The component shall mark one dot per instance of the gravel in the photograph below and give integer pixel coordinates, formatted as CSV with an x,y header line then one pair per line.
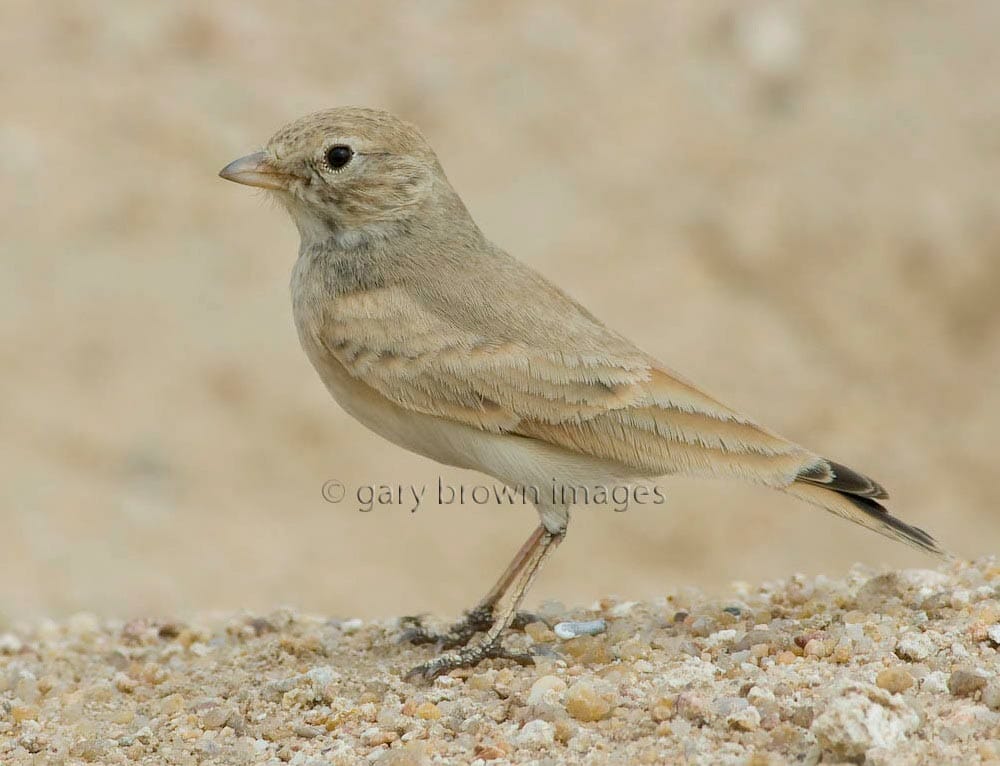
x,y
880,668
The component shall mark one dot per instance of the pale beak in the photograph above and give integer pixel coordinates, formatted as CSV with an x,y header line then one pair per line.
x,y
256,169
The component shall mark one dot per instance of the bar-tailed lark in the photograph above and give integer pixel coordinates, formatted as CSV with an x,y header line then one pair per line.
x,y
439,341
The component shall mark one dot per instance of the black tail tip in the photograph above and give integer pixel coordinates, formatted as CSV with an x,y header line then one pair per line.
x,y
907,533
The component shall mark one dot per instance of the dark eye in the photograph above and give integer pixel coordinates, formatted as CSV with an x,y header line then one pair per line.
x,y
338,156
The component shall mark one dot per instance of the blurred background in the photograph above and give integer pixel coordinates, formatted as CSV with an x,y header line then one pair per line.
x,y
795,204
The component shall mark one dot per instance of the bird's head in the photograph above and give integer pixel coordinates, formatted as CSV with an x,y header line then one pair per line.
x,y
349,174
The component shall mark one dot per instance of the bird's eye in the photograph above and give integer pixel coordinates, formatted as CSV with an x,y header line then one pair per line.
x,y
338,156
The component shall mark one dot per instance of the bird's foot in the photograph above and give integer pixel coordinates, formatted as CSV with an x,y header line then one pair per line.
x,y
467,657
478,620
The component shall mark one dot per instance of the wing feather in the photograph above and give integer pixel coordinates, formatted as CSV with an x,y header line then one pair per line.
x,y
618,405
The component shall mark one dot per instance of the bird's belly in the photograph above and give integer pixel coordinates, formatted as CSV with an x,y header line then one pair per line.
x,y
514,460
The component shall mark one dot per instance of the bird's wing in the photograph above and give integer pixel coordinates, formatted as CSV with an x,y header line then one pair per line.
x,y
561,377
576,385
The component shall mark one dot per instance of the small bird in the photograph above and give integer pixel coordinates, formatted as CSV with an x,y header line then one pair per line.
x,y
439,341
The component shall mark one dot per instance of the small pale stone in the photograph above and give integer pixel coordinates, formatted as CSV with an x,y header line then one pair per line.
x,y
991,694
565,729
152,674
662,709
124,683
375,737
744,719
692,706
215,717
701,626
24,713
428,711
584,703
935,682
633,649
816,648
482,681
842,652
411,754
895,680
588,650
568,630
125,715
860,717
88,749
960,599
721,638
993,633
914,647
489,752
546,690
536,733
965,683
539,632
172,704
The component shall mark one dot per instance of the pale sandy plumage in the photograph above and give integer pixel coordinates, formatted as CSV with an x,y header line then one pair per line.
x,y
438,340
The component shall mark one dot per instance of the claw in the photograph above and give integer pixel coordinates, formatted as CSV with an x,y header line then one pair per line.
x,y
475,621
468,657
459,634
524,619
414,632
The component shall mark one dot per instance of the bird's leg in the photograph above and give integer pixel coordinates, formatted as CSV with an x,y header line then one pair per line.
x,y
481,617
513,584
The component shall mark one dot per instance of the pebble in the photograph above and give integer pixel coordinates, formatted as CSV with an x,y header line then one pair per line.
x,y
539,632
861,717
816,648
535,734
744,719
546,690
991,694
21,713
721,637
992,632
374,737
568,630
428,711
588,650
965,683
894,680
935,682
216,717
585,703
489,753
914,647
693,706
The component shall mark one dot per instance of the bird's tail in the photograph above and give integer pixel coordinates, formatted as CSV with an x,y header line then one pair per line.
x,y
853,496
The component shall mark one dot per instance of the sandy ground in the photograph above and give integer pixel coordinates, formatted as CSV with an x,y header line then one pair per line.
x,y
881,668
